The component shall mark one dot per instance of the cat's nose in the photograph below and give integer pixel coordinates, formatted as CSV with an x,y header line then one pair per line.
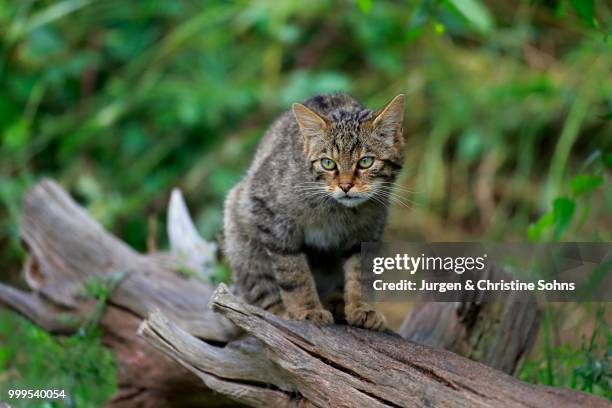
x,y
345,186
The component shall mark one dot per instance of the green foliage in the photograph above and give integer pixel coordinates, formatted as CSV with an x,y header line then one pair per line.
x,y
78,364
584,183
221,274
585,10
563,211
100,288
587,367
122,101
474,12
553,224
30,358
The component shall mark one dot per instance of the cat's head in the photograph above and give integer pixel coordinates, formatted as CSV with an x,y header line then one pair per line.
x,y
355,152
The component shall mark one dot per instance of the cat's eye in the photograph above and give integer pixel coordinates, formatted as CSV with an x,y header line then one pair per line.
x,y
328,164
365,162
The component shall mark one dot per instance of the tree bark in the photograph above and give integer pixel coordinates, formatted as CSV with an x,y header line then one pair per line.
x,y
289,363
499,334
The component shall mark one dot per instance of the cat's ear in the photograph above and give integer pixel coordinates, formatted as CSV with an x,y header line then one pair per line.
x,y
311,124
389,120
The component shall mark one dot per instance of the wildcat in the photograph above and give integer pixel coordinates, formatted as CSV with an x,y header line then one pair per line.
x,y
317,187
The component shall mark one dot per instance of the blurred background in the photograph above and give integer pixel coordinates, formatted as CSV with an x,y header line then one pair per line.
x,y
508,129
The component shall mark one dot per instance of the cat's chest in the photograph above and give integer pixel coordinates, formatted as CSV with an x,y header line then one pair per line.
x,y
324,237
333,232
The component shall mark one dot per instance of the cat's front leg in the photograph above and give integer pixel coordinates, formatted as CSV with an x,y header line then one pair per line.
x,y
359,313
298,290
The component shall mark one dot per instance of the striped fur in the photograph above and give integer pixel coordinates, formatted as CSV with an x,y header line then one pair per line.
x,y
292,229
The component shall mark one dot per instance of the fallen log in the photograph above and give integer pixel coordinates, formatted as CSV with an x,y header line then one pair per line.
x,y
289,363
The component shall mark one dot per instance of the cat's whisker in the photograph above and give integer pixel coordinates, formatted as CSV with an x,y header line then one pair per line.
x,y
319,188
393,198
394,186
306,195
311,189
398,190
398,195
403,204
395,195
396,201
318,194
310,183
379,201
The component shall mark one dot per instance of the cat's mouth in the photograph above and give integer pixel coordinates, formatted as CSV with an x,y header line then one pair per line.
x,y
351,200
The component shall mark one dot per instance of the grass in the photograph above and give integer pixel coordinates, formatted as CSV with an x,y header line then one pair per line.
x,y
30,358
587,365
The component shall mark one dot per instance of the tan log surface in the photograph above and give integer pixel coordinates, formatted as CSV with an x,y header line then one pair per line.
x,y
300,364
498,334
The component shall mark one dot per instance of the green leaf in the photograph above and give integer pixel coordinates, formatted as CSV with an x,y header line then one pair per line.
x,y
46,16
365,6
585,10
439,28
559,219
563,210
583,183
16,135
220,274
101,286
537,229
475,13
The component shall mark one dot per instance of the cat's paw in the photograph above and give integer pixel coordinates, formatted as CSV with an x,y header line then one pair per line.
x,y
319,315
364,315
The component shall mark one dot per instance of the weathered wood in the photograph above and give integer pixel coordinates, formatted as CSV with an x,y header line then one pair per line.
x,y
498,334
238,370
301,364
67,248
146,378
185,242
